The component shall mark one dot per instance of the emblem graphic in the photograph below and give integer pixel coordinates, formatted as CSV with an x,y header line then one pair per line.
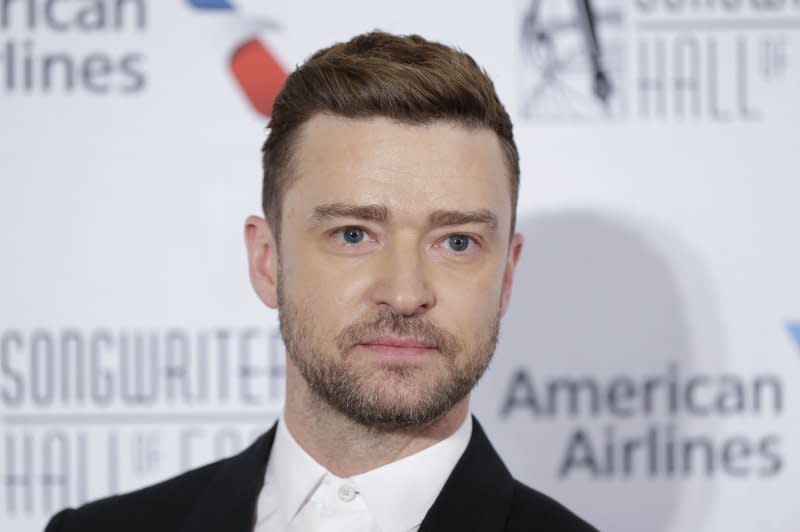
x,y
572,60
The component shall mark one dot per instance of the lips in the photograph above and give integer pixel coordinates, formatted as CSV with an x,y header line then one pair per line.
x,y
397,346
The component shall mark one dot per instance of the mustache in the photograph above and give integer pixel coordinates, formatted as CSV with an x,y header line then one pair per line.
x,y
390,323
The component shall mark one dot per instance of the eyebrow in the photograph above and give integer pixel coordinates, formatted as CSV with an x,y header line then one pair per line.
x,y
481,216
379,214
373,213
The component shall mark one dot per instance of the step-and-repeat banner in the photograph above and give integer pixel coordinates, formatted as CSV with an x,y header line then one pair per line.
x,y
648,369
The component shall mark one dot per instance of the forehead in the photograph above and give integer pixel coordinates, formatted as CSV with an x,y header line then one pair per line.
x,y
408,168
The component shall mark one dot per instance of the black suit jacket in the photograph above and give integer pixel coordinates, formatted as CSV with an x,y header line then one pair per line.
x,y
480,495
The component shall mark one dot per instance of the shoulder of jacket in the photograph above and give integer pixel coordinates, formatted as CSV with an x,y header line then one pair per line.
x,y
158,506
533,510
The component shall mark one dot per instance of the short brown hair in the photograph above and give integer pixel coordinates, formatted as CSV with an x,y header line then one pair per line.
x,y
406,78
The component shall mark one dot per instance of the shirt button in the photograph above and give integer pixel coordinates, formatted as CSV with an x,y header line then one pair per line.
x,y
347,493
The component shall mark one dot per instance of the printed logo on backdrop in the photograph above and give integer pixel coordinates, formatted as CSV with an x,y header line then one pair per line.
x,y
608,440
567,71
257,71
104,59
714,60
93,412
794,332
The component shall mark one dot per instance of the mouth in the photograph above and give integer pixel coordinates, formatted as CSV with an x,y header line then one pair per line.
x,y
394,346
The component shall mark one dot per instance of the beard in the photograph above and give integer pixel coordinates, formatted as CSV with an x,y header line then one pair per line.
x,y
386,393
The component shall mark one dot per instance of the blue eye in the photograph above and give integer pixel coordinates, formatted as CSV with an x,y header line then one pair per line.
x,y
353,235
458,242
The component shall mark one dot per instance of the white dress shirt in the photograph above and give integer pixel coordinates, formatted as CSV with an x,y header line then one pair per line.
x,y
300,495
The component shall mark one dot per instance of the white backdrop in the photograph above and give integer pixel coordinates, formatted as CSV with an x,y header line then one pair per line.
x,y
648,369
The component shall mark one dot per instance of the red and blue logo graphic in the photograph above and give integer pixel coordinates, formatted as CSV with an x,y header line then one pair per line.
x,y
259,74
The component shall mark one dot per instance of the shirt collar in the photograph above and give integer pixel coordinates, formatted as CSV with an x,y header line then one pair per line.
x,y
291,471
398,494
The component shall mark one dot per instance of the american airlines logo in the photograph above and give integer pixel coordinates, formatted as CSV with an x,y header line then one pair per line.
x,y
259,74
794,332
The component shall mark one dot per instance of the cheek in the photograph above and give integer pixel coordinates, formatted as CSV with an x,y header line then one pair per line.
x,y
331,284
329,293
469,302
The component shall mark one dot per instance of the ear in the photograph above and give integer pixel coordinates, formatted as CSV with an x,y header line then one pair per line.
x,y
514,251
262,259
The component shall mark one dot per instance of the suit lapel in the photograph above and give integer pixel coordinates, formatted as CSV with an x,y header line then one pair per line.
x,y
229,501
477,495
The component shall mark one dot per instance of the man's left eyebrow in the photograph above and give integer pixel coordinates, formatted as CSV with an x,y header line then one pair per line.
x,y
481,216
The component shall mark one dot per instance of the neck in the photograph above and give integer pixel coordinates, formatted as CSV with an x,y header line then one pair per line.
x,y
345,447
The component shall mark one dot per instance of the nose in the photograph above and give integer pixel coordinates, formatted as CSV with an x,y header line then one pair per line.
x,y
402,280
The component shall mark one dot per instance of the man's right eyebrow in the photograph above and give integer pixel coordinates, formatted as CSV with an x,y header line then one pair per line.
x,y
371,213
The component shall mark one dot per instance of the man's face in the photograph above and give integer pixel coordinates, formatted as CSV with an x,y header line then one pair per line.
x,y
394,264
